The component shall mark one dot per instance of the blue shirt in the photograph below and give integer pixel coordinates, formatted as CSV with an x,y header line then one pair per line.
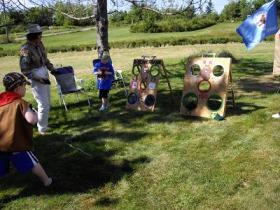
x,y
104,83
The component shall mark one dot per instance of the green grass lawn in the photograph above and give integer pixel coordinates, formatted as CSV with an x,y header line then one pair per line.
x,y
120,34
159,160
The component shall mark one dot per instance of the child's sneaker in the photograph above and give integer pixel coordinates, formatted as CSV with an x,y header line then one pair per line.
x,y
276,116
102,108
48,182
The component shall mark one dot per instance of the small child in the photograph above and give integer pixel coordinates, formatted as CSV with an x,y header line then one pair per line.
x,y
105,76
16,129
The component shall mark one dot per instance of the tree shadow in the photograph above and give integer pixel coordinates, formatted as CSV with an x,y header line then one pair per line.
x,y
252,67
241,108
263,86
74,171
168,109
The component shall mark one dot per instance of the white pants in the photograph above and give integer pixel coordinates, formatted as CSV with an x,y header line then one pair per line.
x,y
41,93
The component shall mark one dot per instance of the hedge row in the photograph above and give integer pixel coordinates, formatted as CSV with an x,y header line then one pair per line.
x,y
178,25
139,43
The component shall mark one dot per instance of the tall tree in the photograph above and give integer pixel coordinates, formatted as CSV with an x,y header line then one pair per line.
x,y
101,16
5,19
209,7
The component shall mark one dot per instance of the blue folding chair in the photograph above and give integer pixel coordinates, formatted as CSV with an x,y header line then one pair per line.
x,y
67,83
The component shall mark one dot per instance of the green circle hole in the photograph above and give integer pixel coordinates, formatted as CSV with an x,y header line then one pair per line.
x,y
154,71
195,69
150,100
214,102
218,71
190,101
136,70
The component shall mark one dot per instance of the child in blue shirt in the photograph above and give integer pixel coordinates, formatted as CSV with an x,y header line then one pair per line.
x,y
105,76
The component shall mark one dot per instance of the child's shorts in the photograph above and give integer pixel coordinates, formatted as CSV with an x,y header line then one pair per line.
x,y
103,93
23,161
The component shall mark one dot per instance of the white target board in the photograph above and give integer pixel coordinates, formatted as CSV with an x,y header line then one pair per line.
x,y
276,63
205,87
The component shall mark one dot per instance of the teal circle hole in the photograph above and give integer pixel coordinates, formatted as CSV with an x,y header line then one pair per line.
x,y
132,98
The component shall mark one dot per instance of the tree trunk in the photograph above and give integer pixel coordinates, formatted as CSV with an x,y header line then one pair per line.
x,y
7,34
102,27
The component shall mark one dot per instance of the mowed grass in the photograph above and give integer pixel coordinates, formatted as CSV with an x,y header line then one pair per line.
x,y
118,34
137,160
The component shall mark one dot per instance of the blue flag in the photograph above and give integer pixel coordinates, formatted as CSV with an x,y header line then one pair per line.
x,y
259,25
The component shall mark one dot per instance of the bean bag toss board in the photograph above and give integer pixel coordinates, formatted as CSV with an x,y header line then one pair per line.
x,y
144,84
206,84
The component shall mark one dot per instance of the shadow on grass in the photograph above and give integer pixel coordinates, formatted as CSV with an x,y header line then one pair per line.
x,y
252,67
74,172
242,108
167,110
253,71
77,172
264,86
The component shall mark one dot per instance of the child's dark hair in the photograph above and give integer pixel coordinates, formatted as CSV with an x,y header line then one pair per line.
x,y
33,36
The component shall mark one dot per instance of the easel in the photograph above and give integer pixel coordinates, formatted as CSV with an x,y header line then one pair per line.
x,y
231,91
144,85
163,73
276,62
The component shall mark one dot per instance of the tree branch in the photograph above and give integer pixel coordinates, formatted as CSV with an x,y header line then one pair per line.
x,y
198,5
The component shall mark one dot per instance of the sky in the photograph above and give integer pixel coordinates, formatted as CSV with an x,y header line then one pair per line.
x,y
219,4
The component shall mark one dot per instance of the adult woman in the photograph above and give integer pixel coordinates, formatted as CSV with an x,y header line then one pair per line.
x,y
34,65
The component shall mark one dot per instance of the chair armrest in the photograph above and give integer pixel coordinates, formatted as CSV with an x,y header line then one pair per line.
x,y
58,88
79,82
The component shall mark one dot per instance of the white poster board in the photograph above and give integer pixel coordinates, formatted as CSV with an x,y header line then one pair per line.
x,y
276,63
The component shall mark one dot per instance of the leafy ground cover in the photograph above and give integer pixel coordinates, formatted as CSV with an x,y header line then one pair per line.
x,y
159,160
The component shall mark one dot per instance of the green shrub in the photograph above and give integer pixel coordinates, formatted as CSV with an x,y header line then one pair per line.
x,y
90,84
227,54
18,29
223,54
4,40
138,43
173,25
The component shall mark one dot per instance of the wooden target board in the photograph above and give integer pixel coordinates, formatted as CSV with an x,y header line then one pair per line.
x,y
276,63
205,87
144,84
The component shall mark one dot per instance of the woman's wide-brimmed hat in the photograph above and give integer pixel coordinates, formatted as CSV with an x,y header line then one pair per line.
x,y
34,29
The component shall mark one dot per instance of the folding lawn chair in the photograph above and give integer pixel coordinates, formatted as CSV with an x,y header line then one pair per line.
x,y
118,78
67,83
